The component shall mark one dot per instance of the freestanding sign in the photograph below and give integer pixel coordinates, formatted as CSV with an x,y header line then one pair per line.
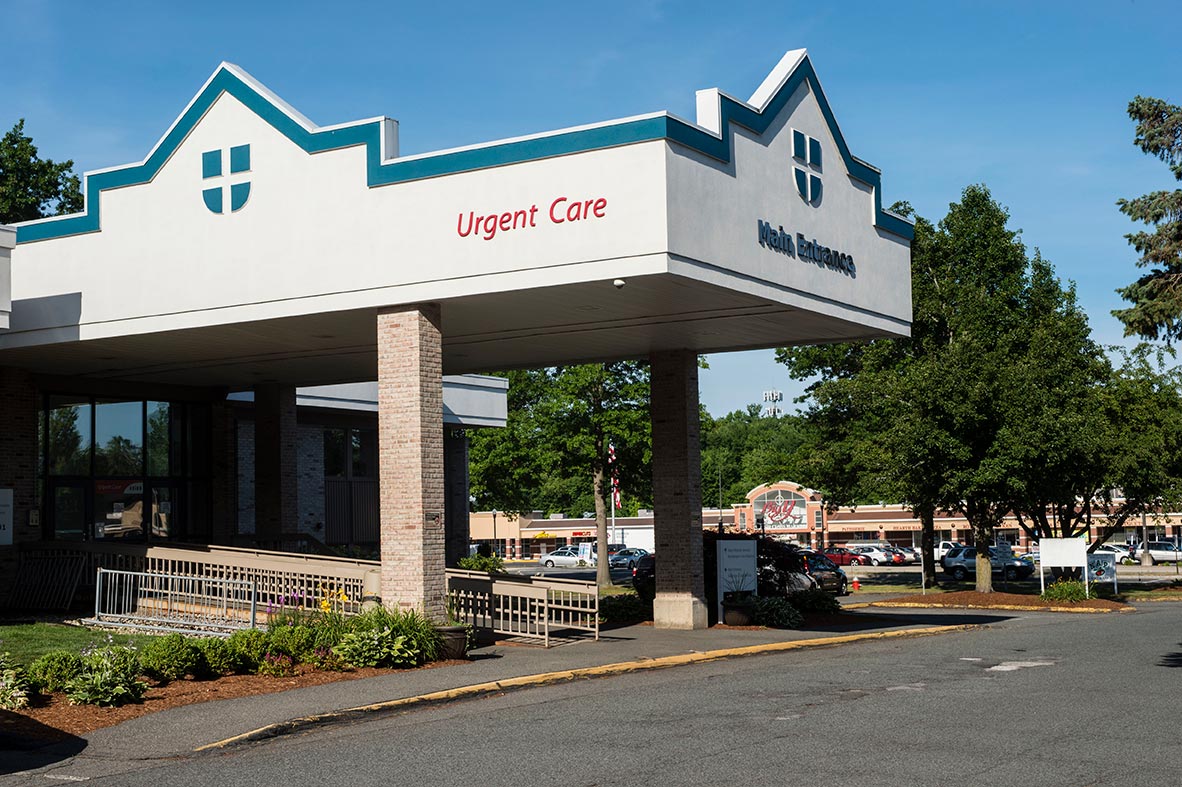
x,y
1102,568
5,517
1064,553
736,568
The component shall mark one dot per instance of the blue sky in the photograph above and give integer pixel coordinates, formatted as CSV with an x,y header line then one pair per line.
x,y
1028,98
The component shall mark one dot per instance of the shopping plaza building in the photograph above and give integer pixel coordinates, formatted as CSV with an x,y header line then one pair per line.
x,y
161,352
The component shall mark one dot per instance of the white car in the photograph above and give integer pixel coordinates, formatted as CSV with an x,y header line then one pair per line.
x,y
1160,552
564,556
878,557
1119,551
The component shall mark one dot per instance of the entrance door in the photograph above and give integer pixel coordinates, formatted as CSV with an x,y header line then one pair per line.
x,y
67,510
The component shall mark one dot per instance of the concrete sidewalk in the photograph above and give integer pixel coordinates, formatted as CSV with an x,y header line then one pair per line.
x,y
180,732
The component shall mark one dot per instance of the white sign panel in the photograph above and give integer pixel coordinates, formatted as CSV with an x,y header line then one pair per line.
x,y
5,517
585,554
736,567
1063,552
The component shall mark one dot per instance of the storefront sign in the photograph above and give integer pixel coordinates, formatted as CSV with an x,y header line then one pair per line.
x,y
778,239
562,210
5,517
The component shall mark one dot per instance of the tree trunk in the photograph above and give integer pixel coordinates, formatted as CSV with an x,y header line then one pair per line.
x,y
927,545
982,536
603,574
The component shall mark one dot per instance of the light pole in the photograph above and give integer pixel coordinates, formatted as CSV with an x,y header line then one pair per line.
x,y
1146,558
495,531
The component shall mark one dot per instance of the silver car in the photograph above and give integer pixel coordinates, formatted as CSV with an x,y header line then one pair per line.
x,y
564,556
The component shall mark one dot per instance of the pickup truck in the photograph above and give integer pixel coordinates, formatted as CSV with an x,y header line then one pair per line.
x,y
942,549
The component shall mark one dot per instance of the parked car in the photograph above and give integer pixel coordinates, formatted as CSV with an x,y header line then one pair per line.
x,y
904,554
1121,552
878,556
845,557
627,557
942,549
825,572
961,562
563,556
1159,552
912,554
644,576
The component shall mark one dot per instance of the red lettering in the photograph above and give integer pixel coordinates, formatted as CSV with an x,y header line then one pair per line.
x,y
520,213
506,221
460,224
553,205
490,227
600,207
533,211
573,213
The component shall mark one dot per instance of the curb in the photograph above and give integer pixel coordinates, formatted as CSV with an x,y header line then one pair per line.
x,y
1003,607
545,678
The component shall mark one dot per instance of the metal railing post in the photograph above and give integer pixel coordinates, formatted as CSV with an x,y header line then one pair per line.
x,y
98,593
254,602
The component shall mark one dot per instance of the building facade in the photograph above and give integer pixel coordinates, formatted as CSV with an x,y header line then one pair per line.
x,y
254,250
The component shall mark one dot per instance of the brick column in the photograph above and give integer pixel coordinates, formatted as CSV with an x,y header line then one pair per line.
x,y
677,491
276,475
410,439
19,410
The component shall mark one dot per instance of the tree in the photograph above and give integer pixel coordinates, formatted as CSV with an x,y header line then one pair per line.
x,y
32,187
553,454
1157,295
935,418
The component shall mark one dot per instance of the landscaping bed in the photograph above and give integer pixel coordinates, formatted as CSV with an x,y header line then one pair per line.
x,y
971,599
54,718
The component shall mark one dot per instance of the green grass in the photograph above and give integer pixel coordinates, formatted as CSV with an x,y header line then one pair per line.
x,y
616,590
27,641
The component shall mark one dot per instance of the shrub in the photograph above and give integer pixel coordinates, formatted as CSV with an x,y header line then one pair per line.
x,y
775,612
14,684
296,641
110,676
248,646
480,562
376,648
218,658
51,671
419,630
277,665
323,658
625,608
171,658
814,602
1065,590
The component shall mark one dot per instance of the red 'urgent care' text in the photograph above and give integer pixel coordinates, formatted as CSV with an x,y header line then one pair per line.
x,y
562,210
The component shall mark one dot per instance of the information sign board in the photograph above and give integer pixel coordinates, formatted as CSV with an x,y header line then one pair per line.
x,y
736,567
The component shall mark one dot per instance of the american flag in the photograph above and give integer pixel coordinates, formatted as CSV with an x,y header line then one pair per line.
x,y
611,461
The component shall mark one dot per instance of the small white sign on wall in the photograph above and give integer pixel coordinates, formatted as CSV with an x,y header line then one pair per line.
x,y
736,567
5,517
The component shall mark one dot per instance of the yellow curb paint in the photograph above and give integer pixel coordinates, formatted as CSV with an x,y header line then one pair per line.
x,y
1005,607
583,672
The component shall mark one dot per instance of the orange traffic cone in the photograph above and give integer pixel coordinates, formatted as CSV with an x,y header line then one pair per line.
x,y
855,585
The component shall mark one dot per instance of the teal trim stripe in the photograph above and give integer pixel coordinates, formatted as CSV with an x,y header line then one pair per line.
x,y
399,171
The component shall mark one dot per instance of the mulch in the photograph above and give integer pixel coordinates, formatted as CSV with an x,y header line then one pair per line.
x,y
52,719
971,599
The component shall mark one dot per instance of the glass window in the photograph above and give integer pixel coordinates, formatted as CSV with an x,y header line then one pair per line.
x,y
68,442
119,510
159,438
334,452
365,453
119,438
69,513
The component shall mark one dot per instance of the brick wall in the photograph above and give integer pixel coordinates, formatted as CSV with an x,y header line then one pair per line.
x,y
276,473
410,440
245,474
310,460
677,491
